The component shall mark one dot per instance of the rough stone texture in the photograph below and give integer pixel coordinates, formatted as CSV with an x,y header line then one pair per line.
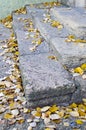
x,y
25,43
74,3
19,21
4,33
71,54
45,81
82,83
60,100
44,78
74,20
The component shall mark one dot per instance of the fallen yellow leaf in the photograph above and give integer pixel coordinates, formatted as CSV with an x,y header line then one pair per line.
x,y
38,114
83,67
79,122
78,70
54,108
8,116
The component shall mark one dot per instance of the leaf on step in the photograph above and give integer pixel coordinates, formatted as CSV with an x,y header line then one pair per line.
x,y
33,48
70,38
51,4
47,128
80,41
39,41
52,57
83,67
56,24
78,70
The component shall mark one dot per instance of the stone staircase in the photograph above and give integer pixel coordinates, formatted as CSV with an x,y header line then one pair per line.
x,y
42,64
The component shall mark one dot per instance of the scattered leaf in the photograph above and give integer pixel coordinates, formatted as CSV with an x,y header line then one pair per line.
x,y
54,117
8,116
79,122
44,109
83,67
54,108
78,70
52,57
15,112
74,113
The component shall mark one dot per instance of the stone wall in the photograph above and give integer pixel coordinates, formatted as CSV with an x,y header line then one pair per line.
x,y
74,3
7,6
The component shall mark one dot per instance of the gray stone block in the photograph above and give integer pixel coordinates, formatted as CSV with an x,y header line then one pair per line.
x,y
74,3
82,83
25,45
74,20
70,54
50,101
19,21
45,28
24,42
44,78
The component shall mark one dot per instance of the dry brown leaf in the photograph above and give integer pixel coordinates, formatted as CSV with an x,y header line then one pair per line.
x,y
52,57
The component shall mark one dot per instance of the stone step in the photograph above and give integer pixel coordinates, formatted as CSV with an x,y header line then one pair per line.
x,y
74,3
82,83
22,34
44,78
45,81
69,54
73,18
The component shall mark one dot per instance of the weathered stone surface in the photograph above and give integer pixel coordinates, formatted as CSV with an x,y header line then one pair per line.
x,y
60,100
82,83
44,78
70,54
24,42
45,81
19,21
4,33
74,3
45,28
74,20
